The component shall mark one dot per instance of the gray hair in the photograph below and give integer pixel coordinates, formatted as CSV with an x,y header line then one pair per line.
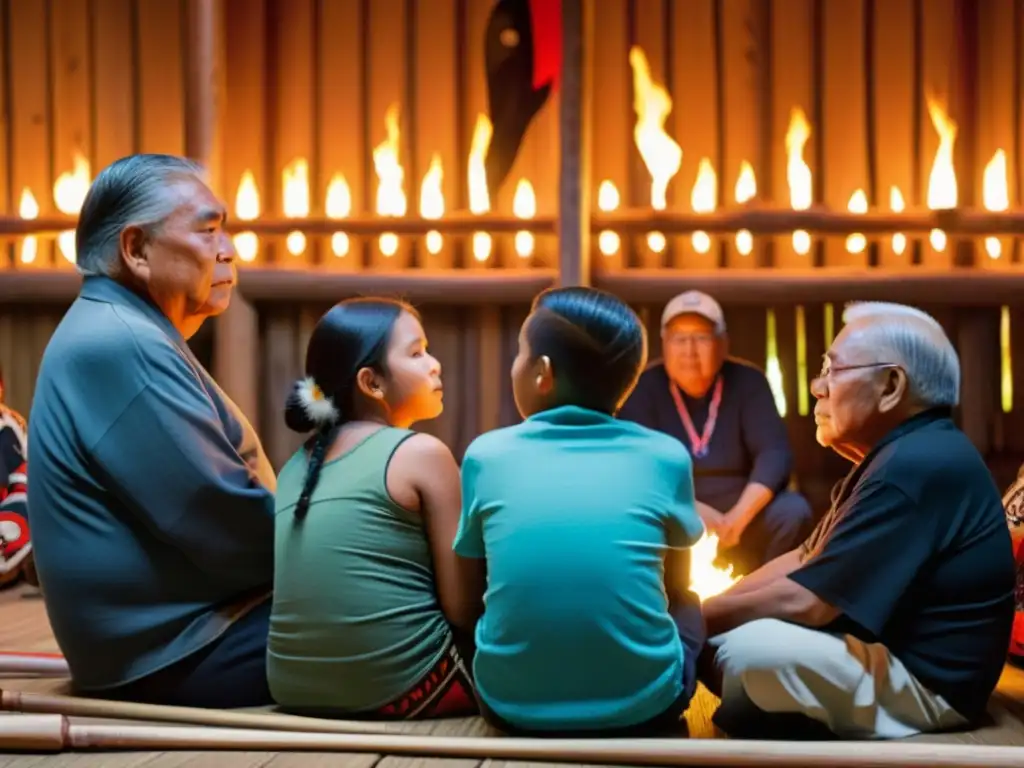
x,y
916,341
132,191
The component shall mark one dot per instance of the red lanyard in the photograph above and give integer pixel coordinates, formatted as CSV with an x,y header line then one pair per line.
x,y
699,444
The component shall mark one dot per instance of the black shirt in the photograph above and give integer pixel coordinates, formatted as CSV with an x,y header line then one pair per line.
x,y
749,445
916,554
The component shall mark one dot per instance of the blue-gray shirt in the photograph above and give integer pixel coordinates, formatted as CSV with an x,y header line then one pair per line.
x,y
152,501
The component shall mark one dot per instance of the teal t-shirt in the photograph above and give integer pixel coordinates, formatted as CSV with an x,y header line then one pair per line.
x,y
573,511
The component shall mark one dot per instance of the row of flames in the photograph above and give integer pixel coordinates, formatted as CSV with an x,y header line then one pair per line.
x,y
659,151
69,191
663,157
390,199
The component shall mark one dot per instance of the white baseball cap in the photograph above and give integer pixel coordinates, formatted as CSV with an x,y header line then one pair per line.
x,y
694,303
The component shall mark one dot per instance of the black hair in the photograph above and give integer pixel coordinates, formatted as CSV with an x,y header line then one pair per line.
x,y
352,335
596,343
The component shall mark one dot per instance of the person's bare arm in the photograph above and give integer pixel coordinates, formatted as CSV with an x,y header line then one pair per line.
x,y
780,598
781,566
435,476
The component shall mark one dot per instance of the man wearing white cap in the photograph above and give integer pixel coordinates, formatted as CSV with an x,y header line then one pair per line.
x,y
722,409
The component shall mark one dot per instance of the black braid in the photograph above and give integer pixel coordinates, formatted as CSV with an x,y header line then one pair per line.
x,y
323,440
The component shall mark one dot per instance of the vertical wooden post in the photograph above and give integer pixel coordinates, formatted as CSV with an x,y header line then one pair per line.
x,y
843,131
236,337
893,128
574,173
611,129
693,58
200,93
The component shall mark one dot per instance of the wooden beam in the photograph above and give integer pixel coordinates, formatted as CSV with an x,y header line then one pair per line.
x,y
574,191
922,285
472,287
964,223
961,287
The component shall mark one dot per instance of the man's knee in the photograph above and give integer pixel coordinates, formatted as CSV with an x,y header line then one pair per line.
x,y
789,515
759,646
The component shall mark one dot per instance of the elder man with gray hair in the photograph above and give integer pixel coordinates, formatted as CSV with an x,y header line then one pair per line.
x,y
893,618
152,500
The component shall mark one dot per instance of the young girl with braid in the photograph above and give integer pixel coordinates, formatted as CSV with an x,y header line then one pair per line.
x,y
368,594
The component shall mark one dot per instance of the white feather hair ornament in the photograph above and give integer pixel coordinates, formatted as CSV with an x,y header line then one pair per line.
x,y
316,404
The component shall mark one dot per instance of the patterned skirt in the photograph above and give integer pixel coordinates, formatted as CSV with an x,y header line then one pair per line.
x,y
1013,503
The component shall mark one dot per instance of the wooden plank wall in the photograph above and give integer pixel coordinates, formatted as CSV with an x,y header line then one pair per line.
x,y
313,80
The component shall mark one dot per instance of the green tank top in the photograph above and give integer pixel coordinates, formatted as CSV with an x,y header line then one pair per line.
x,y
355,621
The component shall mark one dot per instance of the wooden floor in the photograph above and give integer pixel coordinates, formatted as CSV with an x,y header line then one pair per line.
x,y
23,627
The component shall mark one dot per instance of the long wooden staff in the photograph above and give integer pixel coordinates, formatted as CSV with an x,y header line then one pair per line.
x,y
73,706
53,733
13,663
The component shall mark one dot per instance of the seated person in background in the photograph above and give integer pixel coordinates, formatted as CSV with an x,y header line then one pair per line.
x,y
368,595
893,618
574,512
15,546
722,409
152,501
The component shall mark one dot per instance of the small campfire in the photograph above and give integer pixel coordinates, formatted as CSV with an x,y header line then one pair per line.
x,y
706,578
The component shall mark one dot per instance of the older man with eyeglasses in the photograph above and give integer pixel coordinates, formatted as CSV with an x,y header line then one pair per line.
x,y
722,409
893,618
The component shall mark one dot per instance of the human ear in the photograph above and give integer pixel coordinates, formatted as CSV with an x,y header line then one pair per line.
x,y
370,384
134,253
894,388
544,375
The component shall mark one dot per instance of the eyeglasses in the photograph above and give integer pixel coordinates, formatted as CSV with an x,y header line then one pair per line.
x,y
827,369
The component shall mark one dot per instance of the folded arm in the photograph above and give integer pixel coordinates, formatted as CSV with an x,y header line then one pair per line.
x,y
768,595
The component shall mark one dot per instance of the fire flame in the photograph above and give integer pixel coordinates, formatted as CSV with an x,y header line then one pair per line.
x,y
703,199
295,185
706,579
390,177
659,151
338,205
247,208
942,188
479,197
746,190
856,243
608,200
432,201
28,208
896,204
995,196
524,206
798,174
69,191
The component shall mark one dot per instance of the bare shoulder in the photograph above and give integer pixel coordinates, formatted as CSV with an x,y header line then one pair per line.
x,y
426,451
421,465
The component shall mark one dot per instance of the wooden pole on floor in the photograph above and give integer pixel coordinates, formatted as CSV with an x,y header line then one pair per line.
x,y
75,706
54,733
26,664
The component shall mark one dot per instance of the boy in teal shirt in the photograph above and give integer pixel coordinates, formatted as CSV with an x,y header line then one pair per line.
x,y
576,513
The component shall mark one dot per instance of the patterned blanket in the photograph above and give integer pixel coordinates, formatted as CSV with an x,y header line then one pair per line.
x,y
15,544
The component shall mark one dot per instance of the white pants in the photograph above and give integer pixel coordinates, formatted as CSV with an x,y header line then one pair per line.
x,y
858,690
